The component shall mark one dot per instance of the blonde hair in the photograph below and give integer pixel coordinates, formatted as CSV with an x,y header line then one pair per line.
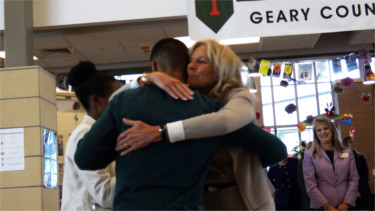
x,y
335,137
227,67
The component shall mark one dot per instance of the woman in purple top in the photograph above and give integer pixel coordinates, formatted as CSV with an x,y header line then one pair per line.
x,y
329,170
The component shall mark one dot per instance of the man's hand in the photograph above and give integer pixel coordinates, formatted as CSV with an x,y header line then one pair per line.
x,y
172,86
137,137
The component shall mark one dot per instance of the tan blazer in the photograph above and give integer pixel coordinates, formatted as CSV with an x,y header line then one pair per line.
x,y
251,189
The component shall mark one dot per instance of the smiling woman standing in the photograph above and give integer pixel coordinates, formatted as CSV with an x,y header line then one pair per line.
x,y
329,170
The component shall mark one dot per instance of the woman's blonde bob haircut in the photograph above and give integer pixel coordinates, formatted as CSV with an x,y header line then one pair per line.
x,y
335,137
227,66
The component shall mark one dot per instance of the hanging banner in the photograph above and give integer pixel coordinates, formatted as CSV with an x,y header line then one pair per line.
x,y
351,62
288,70
305,71
264,65
276,69
336,66
226,19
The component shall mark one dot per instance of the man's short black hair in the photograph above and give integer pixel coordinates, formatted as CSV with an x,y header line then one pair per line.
x,y
170,54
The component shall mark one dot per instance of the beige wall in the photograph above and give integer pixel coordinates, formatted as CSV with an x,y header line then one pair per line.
x,y
66,122
363,121
28,100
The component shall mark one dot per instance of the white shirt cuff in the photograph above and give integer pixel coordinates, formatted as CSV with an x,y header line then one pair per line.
x,y
134,84
176,131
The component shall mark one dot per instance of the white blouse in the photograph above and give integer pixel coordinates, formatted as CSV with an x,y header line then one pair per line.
x,y
85,190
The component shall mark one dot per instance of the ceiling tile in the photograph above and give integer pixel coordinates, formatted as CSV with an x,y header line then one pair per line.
x,y
361,37
103,47
288,42
62,62
48,42
133,40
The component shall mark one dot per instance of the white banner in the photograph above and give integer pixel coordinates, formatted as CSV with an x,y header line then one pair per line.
x,y
278,17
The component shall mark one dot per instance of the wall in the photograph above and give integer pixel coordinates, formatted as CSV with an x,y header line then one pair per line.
x,y
65,125
28,100
52,13
363,120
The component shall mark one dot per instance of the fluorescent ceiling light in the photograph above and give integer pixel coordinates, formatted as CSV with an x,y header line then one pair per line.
x,y
188,42
2,55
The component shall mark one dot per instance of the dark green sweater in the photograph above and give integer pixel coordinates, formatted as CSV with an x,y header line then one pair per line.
x,y
160,176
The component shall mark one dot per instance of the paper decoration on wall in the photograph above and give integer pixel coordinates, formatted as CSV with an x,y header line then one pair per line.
x,y
330,110
284,83
264,66
295,81
62,82
305,72
2,62
366,97
351,63
336,65
257,115
337,88
351,131
346,82
322,71
288,70
268,129
290,108
345,119
368,72
251,64
269,71
276,69
365,56
76,105
60,146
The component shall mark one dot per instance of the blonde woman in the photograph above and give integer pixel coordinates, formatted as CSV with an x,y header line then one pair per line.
x,y
329,169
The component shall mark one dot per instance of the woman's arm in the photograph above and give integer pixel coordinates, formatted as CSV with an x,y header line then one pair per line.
x,y
172,86
238,112
100,184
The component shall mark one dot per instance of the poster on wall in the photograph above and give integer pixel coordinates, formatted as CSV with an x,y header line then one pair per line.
x,y
276,69
264,65
12,149
336,66
305,72
351,62
288,70
60,139
50,158
322,71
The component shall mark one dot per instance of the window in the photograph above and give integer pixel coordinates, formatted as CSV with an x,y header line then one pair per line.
x,y
127,78
310,91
